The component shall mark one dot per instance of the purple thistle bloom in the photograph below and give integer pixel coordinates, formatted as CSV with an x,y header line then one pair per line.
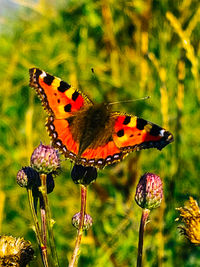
x,y
149,191
45,159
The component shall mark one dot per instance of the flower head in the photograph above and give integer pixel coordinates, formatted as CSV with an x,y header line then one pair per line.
x,y
190,216
87,221
149,191
45,159
30,178
27,176
15,251
83,175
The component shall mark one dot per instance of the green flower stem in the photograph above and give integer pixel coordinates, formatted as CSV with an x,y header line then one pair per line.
x,y
37,228
48,220
145,215
80,229
43,223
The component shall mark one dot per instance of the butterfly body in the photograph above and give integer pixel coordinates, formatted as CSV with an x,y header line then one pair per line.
x,y
91,127
91,134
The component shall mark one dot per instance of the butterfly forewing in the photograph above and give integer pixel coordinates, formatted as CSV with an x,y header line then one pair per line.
x,y
58,97
133,133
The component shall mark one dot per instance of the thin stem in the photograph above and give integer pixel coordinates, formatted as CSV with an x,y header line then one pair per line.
x,y
35,219
145,214
43,217
43,223
81,224
37,228
48,221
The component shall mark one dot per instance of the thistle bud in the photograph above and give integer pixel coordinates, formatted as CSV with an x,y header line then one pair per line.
x,y
87,221
45,159
149,191
15,251
26,177
83,175
29,178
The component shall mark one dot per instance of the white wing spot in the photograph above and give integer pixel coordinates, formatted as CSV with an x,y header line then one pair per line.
x,y
58,143
55,136
43,74
162,132
51,126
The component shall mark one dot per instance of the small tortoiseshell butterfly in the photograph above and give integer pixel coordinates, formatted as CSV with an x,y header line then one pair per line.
x,y
91,134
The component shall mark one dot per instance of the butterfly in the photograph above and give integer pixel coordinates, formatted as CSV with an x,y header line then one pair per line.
x,y
91,134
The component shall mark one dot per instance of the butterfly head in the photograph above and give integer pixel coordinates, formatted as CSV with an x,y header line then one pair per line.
x,y
105,106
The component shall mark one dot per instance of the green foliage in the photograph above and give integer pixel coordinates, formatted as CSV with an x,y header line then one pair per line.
x,y
136,48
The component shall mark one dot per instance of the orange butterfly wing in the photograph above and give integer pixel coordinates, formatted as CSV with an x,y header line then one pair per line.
x,y
58,97
62,138
133,133
61,101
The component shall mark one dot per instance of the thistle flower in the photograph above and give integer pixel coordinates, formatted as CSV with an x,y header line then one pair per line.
x,y
83,175
15,251
190,216
87,221
149,194
149,191
45,159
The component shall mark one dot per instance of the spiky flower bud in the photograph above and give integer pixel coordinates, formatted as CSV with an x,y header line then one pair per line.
x,y
45,159
15,251
149,191
190,216
26,177
29,178
83,175
87,221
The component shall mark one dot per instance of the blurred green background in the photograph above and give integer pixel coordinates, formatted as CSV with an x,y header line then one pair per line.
x,y
136,48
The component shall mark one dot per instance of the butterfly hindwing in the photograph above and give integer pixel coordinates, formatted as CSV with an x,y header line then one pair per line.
x,y
62,137
133,133
102,155
58,97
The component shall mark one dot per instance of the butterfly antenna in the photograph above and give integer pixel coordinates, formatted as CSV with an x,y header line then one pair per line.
x,y
131,100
